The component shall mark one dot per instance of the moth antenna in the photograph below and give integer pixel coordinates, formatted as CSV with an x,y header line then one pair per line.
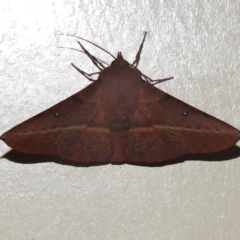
x,y
138,55
75,49
70,35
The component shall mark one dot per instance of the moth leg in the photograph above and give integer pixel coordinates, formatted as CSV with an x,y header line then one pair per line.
x,y
153,82
94,60
138,55
87,75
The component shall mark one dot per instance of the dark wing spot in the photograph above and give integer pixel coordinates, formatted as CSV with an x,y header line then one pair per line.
x,y
184,113
57,114
3,137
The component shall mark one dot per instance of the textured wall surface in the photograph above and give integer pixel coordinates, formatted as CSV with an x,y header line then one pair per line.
x,y
197,42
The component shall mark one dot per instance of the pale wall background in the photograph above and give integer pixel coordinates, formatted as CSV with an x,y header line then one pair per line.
x,y
197,42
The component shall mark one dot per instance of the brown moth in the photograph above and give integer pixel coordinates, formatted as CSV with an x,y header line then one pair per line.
x,y
121,118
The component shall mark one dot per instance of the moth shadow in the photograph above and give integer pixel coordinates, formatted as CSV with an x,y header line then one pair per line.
x,y
24,158
225,155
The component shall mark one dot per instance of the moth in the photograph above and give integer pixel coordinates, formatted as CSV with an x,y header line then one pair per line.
x,y
121,118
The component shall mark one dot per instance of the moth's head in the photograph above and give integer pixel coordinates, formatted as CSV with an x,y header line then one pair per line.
x,y
120,61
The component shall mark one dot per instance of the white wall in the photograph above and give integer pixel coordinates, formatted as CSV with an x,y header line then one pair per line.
x,y
197,42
